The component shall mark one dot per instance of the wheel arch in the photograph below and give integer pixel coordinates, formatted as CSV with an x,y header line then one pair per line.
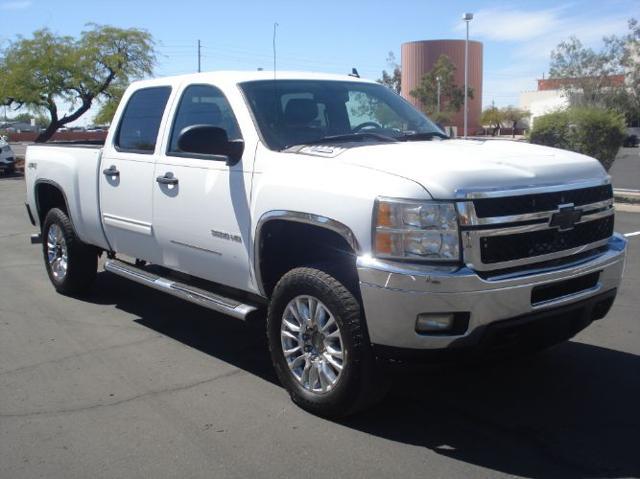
x,y
49,194
296,222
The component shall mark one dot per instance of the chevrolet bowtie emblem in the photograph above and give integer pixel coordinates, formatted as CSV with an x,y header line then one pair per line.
x,y
565,218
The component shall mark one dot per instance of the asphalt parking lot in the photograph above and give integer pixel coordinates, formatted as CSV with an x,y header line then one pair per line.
x,y
132,383
625,171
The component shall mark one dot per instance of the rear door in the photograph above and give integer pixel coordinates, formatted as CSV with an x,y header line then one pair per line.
x,y
126,176
202,220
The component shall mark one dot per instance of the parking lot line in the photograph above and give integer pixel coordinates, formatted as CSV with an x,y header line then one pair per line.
x,y
635,233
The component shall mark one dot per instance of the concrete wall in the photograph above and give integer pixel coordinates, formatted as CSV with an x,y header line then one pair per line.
x,y
59,136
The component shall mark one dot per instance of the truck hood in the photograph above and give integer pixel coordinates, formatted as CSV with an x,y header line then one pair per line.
x,y
447,168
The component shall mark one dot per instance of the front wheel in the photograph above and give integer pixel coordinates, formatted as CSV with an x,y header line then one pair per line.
x,y
71,264
318,343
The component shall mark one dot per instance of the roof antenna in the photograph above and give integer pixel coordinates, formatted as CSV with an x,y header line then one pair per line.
x,y
275,88
354,73
275,26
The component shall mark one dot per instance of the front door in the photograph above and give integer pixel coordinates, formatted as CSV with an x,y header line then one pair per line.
x,y
201,205
126,176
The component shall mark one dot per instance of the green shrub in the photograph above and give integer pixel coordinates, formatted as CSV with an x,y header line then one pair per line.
x,y
590,131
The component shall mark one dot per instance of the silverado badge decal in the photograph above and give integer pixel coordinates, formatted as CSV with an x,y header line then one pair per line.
x,y
565,218
226,236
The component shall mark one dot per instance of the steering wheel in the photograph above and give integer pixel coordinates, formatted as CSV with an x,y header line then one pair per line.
x,y
366,124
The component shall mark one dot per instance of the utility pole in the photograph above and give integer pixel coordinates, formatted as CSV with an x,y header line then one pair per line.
x,y
199,57
467,17
438,80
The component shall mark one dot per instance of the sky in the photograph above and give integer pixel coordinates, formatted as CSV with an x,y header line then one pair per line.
x,y
334,36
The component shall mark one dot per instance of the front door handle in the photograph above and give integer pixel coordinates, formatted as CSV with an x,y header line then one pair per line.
x,y
111,171
167,179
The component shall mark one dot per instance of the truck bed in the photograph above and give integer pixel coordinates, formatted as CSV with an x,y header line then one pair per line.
x,y
74,168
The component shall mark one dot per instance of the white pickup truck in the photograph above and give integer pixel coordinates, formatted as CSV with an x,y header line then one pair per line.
x,y
329,202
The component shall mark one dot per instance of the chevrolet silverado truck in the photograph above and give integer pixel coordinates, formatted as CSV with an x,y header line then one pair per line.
x,y
349,219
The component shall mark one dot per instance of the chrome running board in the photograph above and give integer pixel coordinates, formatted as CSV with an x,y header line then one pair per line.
x,y
189,293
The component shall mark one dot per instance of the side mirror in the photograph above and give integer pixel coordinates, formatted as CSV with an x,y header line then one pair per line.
x,y
212,141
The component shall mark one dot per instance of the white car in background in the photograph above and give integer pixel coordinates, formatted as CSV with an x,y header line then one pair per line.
x,y
7,158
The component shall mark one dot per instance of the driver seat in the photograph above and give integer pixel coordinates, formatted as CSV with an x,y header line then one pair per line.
x,y
299,113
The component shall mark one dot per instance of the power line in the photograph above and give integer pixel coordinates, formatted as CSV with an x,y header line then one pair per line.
x,y
221,49
251,58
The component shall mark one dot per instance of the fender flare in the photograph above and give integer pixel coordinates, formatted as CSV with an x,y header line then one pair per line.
x,y
41,181
297,217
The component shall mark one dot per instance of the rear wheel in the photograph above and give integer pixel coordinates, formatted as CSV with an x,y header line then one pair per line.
x,y
319,346
71,264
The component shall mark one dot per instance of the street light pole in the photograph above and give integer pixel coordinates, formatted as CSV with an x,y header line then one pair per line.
x,y
467,17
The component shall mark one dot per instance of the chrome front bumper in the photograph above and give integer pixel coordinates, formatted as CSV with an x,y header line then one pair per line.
x,y
394,294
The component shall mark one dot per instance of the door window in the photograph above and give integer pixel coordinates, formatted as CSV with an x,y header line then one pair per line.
x,y
203,105
138,129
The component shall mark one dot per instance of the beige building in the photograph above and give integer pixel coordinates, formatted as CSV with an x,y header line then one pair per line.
x,y
551,96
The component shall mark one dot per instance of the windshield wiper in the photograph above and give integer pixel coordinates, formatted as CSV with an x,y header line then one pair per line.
x,y
417,136
346,138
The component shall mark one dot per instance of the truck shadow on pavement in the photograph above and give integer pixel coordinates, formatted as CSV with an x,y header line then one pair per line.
x,y
572,411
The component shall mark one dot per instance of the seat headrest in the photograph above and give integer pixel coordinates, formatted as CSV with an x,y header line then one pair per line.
x,y
300,111
205,113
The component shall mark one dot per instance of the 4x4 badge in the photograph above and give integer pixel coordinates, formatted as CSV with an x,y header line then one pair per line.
x,y
565,218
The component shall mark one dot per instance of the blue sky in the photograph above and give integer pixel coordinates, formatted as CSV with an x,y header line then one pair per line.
x,y
333,36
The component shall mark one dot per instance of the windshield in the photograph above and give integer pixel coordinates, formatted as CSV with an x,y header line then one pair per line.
x,y
297,112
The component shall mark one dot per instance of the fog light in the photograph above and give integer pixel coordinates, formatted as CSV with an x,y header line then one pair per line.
x,y
434,322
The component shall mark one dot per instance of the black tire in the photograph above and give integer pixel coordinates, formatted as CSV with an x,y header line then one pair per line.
x,y
359,383
82,259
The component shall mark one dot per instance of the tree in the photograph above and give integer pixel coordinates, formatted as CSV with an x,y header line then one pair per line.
x,y
392,80
627,101
42,120
22,118
47,70
587,74
492,117
513,115
451,98
583,70
110,104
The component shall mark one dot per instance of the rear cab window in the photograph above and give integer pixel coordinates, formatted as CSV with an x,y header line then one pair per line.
x,y
140,122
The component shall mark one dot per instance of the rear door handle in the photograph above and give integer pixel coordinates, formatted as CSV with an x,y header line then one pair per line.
x,y
111,171
167,179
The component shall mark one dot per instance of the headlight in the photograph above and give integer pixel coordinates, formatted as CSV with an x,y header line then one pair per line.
x,y
416,229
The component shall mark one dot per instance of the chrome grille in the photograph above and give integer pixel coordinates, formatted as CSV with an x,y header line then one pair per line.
x,y
497,249
521,235
517,205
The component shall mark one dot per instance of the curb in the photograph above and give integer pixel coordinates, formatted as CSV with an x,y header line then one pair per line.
x,y
626,196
